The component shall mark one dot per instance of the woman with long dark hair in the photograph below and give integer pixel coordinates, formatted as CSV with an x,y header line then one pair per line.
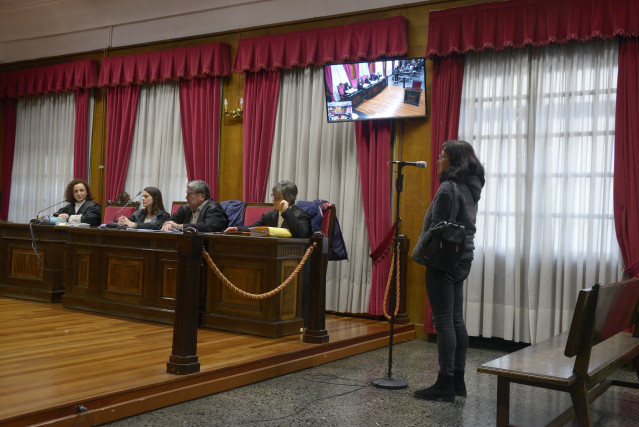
x,y
462,179
152,215
81,208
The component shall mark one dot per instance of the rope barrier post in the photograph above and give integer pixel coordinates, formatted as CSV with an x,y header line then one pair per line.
x,y
183,359
316,332
402,316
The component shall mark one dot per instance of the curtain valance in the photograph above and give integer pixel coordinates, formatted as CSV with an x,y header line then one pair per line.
x,y
365,40
52,78
519,23
174,64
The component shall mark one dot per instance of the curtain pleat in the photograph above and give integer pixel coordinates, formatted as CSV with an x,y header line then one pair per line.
x,y
157,153
626,181
122,102
448,76
200,117
545,226
53,78
81,138
521,23
9,116
172,64
43,156
365,40
321,158
261,92
373,154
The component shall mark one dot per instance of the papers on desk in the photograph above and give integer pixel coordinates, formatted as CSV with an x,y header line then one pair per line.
x,y
72,224
270,231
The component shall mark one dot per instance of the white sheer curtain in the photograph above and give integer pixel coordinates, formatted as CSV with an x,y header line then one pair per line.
x,y
321,158
157,154
363,69
43,156
542,122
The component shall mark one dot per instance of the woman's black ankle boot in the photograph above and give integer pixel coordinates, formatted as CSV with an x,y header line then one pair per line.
x,y
460,385
443,390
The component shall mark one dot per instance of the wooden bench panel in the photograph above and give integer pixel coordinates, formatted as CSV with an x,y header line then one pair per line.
x,y
544,361
578,361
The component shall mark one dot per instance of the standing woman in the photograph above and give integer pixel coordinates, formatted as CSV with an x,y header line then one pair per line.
x,y
462,177
152,216
80,208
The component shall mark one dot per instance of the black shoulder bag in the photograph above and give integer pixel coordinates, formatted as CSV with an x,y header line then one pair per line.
x,y
445,246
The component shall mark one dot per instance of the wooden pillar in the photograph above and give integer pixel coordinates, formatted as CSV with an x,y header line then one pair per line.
x,y
316,332
402,316
184,359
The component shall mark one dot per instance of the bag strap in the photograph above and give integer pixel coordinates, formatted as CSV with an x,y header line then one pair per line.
x,y
455,210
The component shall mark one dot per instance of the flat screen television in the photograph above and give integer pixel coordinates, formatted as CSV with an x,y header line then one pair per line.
x,y
384,89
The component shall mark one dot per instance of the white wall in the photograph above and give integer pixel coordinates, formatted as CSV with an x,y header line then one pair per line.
x,y
31,29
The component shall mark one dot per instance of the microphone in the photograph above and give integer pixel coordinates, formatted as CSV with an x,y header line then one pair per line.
x,y
39,219
420,164
114,224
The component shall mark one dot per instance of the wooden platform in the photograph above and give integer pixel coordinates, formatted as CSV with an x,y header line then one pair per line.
x,y
55,362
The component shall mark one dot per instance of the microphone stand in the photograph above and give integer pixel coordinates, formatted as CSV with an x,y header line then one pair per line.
x,y
389,382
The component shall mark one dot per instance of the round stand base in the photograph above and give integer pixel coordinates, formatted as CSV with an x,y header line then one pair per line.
x,y
389,383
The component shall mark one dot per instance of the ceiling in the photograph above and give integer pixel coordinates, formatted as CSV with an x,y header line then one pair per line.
x,y
31,29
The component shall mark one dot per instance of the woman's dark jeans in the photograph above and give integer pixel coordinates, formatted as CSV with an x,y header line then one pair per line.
x,y
446,296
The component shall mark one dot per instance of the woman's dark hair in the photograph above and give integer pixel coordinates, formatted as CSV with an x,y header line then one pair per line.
x,y
463,162
156,195
68,193
287,190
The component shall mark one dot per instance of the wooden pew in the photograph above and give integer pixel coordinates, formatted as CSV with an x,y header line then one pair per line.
x,y
579,361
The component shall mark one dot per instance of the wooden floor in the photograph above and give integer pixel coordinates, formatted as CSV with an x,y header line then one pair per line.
x,y
56,362
390,103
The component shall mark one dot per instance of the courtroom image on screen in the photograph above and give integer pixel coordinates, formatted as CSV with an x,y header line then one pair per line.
x,y
340,111
385,89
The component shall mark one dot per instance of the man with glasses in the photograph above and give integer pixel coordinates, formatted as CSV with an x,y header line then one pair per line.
x,y
285,215
200,212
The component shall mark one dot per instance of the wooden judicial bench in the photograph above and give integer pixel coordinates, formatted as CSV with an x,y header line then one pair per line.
x,y
581,360
134,274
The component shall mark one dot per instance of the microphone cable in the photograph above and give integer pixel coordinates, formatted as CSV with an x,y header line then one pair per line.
x,y
34,246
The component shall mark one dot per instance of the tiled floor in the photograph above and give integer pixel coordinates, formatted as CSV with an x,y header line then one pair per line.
x,y
340,394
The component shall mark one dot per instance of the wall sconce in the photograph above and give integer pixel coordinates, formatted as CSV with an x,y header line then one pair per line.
x,y
236,114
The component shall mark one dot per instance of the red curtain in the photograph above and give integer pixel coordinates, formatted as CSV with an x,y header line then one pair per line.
x,y
328,75
364,40
355,42
122,106
200,117
79,76
261,91
520,23
53,78
9,115
626,179
373,155
197,68
173,64
349,73
81,138
448,76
